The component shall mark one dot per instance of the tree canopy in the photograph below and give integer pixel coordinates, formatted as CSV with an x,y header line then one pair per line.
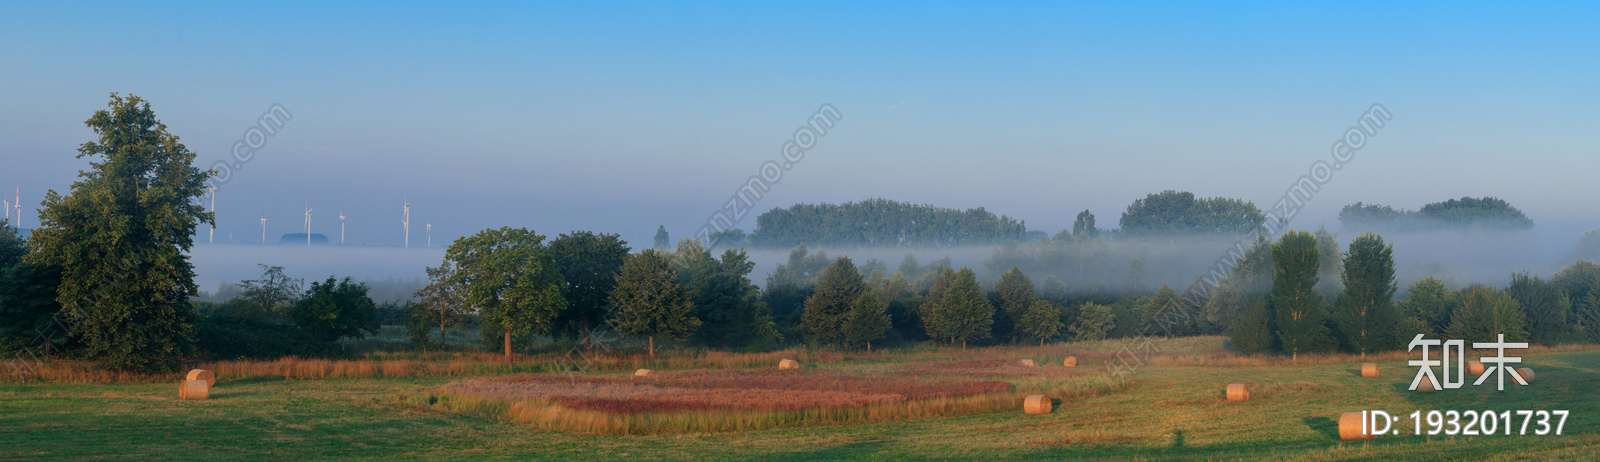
x,y
1171,213
121,240
882,223
512,280
1464,213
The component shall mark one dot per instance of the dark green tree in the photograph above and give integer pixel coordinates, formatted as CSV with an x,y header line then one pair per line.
x,y
727,304
1581,282
1430,301
828,309
1295,301
962,313
649,301
589,263
1041,321
28,306
868,321
1252,332
1015,295
726,239
509,276
419,320
1485,313
1094,322
1365,312
12,246
334,309
1251,277
1544,306
121,240
1167,313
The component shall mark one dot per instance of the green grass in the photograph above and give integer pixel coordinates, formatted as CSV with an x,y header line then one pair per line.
x,y
1174,413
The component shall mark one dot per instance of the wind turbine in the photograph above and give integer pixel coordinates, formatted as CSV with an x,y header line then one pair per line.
x,y
8,210
405,220
212,238
308,226
18,205
341,227
430,235
263,230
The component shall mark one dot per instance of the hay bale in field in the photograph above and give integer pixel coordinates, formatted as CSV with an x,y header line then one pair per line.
x,y
1426,386
1527,375
1071,361
202,374
1350,427
643,373
1238,392
1036,404
193,389
788,364
1474,368
1027,362
1369,369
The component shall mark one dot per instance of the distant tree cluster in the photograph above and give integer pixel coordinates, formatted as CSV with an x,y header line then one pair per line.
x,y
1486,213
882,223
1170,213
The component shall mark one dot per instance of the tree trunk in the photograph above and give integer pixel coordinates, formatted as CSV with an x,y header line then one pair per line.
x,y
963,345
869,347
1041,342
586,334
508,346
652,346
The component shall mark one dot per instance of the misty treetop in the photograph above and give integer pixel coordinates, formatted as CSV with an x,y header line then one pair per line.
x,y
1487,213
1180,213
882,223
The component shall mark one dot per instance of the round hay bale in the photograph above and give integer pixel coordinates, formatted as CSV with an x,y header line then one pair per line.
x,y
1036,404
788,364
1238,392
1027,362
202,374
643,373
1426,386
193,389
1071,361
1350,427
1474,368
1369,369
1527,375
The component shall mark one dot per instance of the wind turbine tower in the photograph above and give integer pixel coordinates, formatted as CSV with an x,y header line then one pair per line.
x,y
308,226
18,205
341,227
212,238
263,230
405,221
430,235
8,210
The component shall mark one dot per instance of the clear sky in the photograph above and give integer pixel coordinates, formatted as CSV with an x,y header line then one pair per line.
x,y
619,117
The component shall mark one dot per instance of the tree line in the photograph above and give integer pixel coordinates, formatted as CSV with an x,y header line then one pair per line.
x,y
1486,213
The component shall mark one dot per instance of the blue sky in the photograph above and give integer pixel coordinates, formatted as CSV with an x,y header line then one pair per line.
x,y
619,117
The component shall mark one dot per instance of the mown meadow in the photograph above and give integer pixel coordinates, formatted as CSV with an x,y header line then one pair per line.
x,y
1171,408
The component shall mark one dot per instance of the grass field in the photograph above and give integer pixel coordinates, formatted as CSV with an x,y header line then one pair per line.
x,y
1173,409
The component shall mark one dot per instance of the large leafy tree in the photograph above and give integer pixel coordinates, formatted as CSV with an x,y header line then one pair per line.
x,y
12,245
589,263
829,307
727,304
1016,295
1251,332
268,299
335,308
962,313
121,240
509,276
1295,301
882,222
649,301
1167,312
1365,311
